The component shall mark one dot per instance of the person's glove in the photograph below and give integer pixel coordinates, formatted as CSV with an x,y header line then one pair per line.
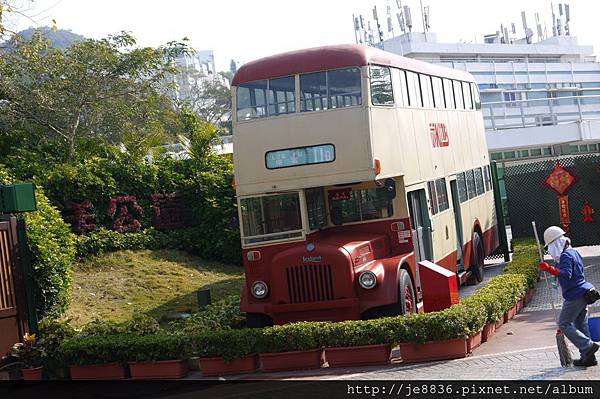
x,y
550,269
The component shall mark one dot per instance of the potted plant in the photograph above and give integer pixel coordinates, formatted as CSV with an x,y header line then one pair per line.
x,y
95,357
294,346
159,356
31,353
223,352
353,343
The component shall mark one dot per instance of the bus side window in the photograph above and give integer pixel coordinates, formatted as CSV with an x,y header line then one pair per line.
x,y
449,94
438,92
252,100
458,96
426,91
467,95
381,86
476,98
313,92
414,92
470,177
479,187
400,88
462,187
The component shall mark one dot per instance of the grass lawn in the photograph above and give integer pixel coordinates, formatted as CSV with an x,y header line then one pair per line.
x,y
159,283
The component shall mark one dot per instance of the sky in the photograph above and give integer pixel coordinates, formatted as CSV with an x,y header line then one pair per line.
x,y
246,30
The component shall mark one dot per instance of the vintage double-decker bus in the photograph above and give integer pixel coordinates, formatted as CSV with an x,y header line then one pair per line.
x,y
351,166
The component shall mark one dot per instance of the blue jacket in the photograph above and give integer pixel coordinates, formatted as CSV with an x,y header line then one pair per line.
x,y
571,278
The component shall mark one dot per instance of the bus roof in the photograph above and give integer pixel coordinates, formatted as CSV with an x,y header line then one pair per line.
x,y
338,56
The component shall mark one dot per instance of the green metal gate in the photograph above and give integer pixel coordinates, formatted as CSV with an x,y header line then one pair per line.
x,y
528,198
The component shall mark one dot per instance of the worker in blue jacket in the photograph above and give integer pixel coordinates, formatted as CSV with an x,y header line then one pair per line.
x,y
576,291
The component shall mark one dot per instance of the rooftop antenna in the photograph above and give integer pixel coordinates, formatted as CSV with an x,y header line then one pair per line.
x,y
364,30
553,20
423,19
408,18
567,20
378,25
356,28
389,20
513,28
559,20
528,32
371,41
539,27
427,17
401,22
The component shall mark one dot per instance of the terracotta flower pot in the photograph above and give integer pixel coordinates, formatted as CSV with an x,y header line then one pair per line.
x,y
297,360
164,369
510,313
474,341
499,323
111,371
488,331
33,374
529,295
358,355
433,350
214,366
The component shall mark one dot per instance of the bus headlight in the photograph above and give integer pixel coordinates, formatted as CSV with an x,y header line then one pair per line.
x,y
260,289
367,280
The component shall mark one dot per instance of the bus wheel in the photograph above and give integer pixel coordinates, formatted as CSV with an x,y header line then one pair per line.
x,y
478,258
258,320
408,303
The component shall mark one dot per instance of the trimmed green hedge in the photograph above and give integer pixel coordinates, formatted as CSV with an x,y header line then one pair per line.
x,y
52,248
488,304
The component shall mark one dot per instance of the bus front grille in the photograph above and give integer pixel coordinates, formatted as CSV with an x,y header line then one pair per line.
x,y
310,283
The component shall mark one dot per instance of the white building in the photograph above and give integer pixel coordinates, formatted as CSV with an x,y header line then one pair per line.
x,y
193,69
538,99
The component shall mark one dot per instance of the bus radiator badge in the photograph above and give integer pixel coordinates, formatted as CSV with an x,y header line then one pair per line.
x,y
312,259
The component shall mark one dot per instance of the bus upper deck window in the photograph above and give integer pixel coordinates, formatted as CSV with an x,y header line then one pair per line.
x,y
381,86
344,89
282,94
252,100
313,92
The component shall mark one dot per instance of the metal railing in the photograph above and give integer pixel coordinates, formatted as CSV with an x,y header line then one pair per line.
x,y
540,112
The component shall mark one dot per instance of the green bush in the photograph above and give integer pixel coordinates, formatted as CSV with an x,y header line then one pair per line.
x,y
157,347
228,344
52,334
223,314
96,349
298,336
138,325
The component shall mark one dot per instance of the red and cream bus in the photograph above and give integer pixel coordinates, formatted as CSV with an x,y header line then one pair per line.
x,y
352,165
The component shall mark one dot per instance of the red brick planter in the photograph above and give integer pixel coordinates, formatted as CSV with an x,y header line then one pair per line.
x,y
368,355
510,313
529,295
499,323
165,369
213,366
298,360
488,331
474,341
433,350
111,371
34,374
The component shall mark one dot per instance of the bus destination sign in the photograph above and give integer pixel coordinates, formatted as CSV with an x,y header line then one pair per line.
x,y
316,154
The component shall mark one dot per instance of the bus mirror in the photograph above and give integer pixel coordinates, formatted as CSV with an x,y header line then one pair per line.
x,y
390,188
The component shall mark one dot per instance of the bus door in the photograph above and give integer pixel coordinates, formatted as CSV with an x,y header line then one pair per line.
x,y
421,225
458,226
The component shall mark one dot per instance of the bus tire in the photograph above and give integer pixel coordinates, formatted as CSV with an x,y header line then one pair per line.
x,y
406,294
478,258
258,320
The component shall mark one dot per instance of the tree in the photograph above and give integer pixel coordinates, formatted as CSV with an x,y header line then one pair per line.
x,y
96,89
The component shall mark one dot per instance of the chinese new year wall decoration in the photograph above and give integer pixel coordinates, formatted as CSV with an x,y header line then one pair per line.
x,y
561,180
126,213
588,213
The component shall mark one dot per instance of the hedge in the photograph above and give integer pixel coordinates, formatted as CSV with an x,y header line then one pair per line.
x,y
52,248
460,321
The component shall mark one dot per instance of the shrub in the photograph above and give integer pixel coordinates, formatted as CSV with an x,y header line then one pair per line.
x,y
298,336
96,349
157,347
223,314
53,333
228,344
138,325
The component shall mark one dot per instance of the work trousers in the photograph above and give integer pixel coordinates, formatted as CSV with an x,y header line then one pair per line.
x,y
573,322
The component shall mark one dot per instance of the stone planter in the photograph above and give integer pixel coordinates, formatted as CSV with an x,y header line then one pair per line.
x,y
488,331
111,371
297,360
474,341
214,366
158,370
368,355
433,350
33,374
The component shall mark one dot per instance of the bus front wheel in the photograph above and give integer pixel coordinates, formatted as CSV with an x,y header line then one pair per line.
x,y
258,320
406,294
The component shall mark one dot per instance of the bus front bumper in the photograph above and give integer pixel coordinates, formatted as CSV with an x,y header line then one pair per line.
x,y
336,310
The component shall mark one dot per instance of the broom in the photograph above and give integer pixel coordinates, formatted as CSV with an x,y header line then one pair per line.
x,y
564,353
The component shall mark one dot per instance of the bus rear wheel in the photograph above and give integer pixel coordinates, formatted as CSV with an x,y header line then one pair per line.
x,y
406,294
258,320
478,258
